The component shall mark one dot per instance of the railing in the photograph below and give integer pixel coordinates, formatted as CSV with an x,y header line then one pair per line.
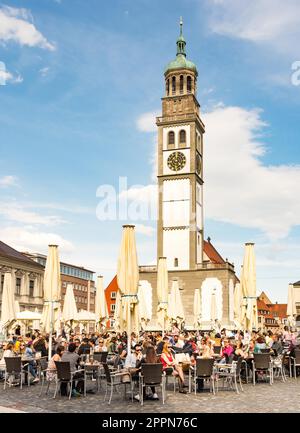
x,y
190,116
199,266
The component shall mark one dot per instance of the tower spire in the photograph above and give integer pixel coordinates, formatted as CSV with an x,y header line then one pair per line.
x,y
181,41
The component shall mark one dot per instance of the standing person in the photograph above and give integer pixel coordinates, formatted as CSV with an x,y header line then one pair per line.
x,y
170,365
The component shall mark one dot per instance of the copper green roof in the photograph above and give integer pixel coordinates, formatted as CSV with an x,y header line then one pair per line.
x,y
181,61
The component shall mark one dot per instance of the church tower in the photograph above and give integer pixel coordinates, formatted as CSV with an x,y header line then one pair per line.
x,y
180,168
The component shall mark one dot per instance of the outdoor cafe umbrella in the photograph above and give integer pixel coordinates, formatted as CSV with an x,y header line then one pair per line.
x,y
100,303
27,317
162,292
128,279
197,309
52,288
8,305
69,313
143,305
176,313
213,308
248,283
118,314
291,305
237,305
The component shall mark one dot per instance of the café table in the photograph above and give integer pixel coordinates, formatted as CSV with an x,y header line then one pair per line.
x,y
91,368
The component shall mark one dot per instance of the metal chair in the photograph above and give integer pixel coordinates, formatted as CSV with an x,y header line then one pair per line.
x,y
43,374
151,375
204,369
278,367
14,368
65,375
295,361
114,380
232,375
262,363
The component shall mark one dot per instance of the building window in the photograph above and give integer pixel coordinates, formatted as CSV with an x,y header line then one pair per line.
x,y
189,84
112,323
18,286
31,288
113,295
176,262
173,85
182,137
112,308
181,84
171,139
167,87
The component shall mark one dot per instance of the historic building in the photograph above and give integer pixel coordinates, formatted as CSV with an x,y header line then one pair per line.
x,y
271,316
81,278
180,229
27,278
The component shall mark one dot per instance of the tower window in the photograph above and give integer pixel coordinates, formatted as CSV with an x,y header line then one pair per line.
x,y
181,83
176,263
167,87
173,85
189,84
182,137
171,138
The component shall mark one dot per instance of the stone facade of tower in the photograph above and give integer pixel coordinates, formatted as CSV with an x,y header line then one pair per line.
x,y
180,201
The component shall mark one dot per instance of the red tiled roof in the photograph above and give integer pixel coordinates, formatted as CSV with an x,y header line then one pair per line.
x,y
212,253
262,306
280,309
11,253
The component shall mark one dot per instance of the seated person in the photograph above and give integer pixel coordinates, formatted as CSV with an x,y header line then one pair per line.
x,y
170,365
73,358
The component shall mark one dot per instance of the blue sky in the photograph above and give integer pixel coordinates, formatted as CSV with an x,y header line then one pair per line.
x,y
83,84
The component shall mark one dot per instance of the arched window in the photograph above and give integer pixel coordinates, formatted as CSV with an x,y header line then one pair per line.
x,y
171,138
181,84
168,87
189,84
173,85
182,137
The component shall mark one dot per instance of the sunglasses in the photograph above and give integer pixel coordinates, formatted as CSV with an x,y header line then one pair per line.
x,y
137,350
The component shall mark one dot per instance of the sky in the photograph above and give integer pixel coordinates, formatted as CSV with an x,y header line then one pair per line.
x,y
81,82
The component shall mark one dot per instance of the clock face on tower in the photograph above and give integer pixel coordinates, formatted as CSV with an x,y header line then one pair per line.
x,y
176,161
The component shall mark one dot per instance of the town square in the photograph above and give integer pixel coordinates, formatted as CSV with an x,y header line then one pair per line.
x,y
149,209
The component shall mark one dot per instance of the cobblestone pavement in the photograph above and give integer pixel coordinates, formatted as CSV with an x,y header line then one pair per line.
x,y
280,397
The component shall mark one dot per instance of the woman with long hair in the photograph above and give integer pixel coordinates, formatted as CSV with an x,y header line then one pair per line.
x,y
170,366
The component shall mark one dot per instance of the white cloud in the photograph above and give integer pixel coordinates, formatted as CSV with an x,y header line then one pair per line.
x,y
33,240
7,181
239,188
16,212
8,77
146,122
144,230
267,21
16,25
44,71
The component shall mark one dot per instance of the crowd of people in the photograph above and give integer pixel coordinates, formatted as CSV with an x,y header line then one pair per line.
x,y
148,347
